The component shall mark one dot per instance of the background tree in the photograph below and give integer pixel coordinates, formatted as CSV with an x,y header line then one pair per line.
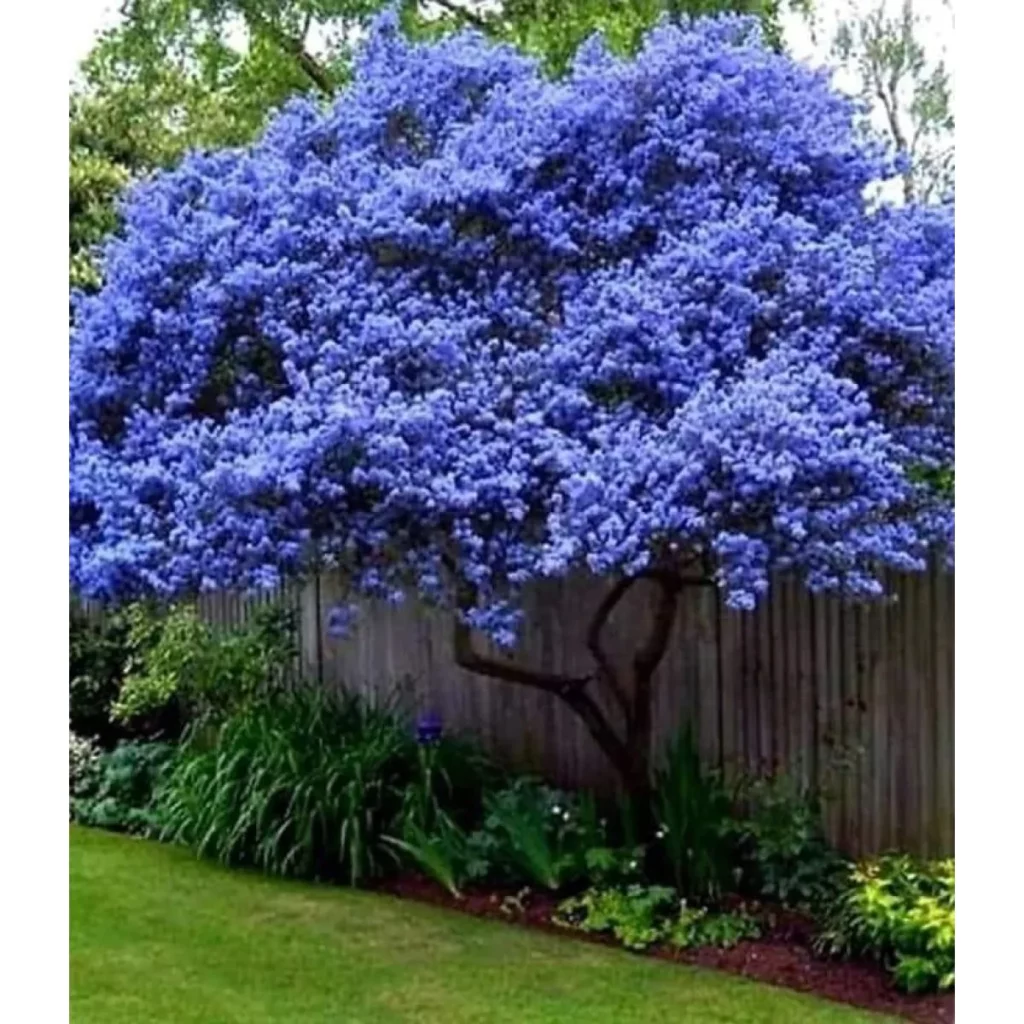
x,y
553,30
885,51
472,327
174,75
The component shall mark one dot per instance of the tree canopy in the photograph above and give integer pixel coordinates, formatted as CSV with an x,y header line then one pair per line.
x,y
472,327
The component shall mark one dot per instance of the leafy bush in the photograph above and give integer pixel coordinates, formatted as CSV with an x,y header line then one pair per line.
x,y
83,764
695,813
782,844
695,926
103,652
530,833
118,790
901,912
639,916
97,654
537,834
177,658
611,865
302,783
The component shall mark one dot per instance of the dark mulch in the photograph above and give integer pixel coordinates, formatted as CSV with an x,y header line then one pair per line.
x,y
781,957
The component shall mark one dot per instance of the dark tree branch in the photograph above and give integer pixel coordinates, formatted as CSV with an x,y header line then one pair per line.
x,y
629,752
469,658
470,16
605,669
570,689
314,70
649,656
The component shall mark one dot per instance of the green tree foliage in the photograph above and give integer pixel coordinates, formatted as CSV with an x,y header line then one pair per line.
x,y
180,74
896,71
94,182
554,29
174,75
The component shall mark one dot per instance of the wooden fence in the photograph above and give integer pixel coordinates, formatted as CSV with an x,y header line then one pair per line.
x,y
856,699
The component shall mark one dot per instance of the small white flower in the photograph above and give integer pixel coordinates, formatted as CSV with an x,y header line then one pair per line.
x,y
556,810
565,817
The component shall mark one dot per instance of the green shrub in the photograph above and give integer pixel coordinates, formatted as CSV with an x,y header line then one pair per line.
x,y
696,926
533,833
694,811
178,659
782,844
97,653
901,912
639,916
118,790
530,834
101,651
611,865
139,671
104,651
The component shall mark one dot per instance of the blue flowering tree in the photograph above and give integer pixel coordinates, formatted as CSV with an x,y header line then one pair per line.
x,y
470,328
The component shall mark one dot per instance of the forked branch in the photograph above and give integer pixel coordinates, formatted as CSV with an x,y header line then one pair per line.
x,y
627,750
571,689
467,657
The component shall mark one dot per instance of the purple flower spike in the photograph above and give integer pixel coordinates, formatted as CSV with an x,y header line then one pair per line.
x,y
428,729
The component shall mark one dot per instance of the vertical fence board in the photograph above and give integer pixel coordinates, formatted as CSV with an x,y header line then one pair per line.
x,y
776,613
924,732
833,688
707,686
730,668
876,832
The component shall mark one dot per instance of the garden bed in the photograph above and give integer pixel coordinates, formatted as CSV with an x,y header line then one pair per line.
x,y
782,955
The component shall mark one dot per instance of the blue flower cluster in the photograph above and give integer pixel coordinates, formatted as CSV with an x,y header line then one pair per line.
x,y
471,327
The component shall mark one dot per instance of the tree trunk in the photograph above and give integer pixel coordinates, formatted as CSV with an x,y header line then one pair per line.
x,y
625,742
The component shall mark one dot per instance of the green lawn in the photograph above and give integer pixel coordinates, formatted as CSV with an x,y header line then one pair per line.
x,y
159,936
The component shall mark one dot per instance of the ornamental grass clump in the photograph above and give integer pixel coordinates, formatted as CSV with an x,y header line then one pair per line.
x,y
301,784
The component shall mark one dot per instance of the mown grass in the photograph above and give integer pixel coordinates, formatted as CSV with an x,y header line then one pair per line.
x,y
159,936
